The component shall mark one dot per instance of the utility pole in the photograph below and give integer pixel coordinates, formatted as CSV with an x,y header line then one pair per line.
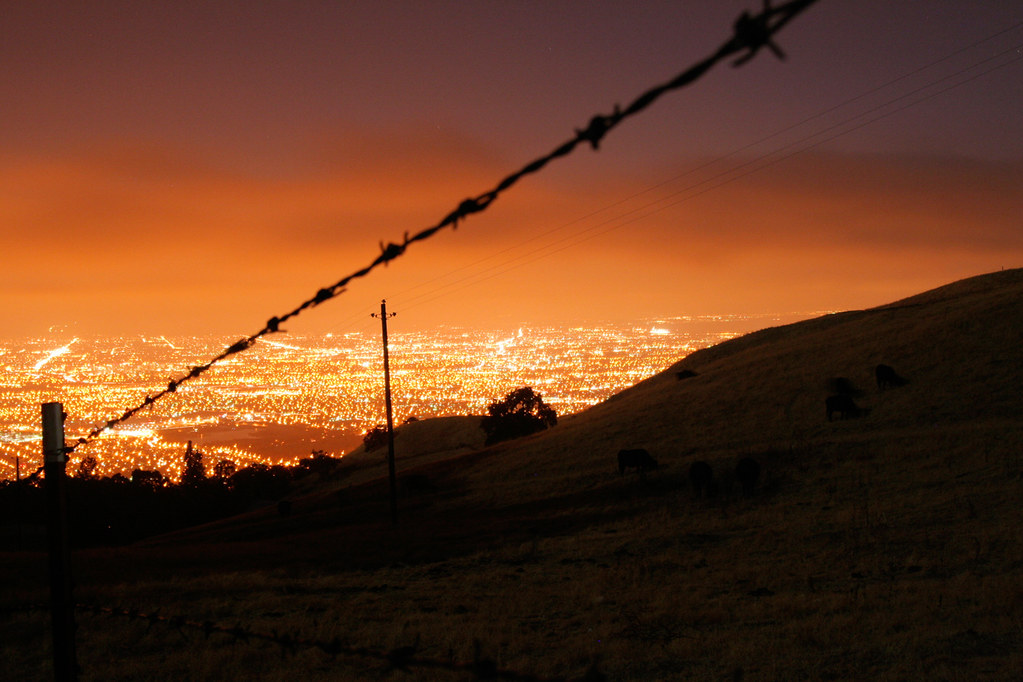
x,y
390,415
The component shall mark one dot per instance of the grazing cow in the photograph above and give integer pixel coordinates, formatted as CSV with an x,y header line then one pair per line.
x,y
842,405
843,386
747,473
887,377
638,459
702,477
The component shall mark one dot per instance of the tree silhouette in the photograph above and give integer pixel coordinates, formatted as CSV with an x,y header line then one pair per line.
x,y
194,472
375,438
520,413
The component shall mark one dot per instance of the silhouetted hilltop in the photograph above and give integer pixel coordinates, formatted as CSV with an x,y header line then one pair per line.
x,y
1004,281
958,346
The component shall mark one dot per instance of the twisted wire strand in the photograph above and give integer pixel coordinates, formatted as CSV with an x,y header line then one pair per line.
x,y
751,33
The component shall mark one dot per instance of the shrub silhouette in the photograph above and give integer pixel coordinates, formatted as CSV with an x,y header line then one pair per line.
x,y
520,413
224,469
87,468
374,438
320,463
148,479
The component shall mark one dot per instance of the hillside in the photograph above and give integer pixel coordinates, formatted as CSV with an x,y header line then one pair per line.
x,y
879,547
958,346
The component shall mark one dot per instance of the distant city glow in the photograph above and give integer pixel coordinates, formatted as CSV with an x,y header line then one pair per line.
x,y
279,401
54,354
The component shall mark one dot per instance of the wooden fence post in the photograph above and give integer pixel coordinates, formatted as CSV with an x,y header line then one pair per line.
x,y
62,605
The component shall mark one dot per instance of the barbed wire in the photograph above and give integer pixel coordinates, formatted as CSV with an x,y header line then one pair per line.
x,y
751,33
400,658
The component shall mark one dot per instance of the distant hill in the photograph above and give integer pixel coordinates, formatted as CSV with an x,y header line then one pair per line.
x,y
958,346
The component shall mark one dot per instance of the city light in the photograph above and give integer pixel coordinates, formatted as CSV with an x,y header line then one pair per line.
x,y
282,399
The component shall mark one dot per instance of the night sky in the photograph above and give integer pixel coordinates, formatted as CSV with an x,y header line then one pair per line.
x,y
196,168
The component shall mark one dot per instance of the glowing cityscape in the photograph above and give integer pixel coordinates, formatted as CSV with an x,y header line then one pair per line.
x,y
282,399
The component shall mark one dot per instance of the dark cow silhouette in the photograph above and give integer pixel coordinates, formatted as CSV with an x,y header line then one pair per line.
x,y
887,377
638,459
702,477
843,386
747,473
842,405
685,374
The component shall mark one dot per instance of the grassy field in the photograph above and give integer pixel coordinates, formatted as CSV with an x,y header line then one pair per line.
x,y
884,547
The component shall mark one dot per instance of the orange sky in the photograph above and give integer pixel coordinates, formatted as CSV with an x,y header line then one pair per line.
x,y
157,178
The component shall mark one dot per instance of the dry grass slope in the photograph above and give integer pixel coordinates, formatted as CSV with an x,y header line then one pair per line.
x,y
881,547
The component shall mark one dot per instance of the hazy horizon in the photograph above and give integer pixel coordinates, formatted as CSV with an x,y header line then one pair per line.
x,y
743,321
